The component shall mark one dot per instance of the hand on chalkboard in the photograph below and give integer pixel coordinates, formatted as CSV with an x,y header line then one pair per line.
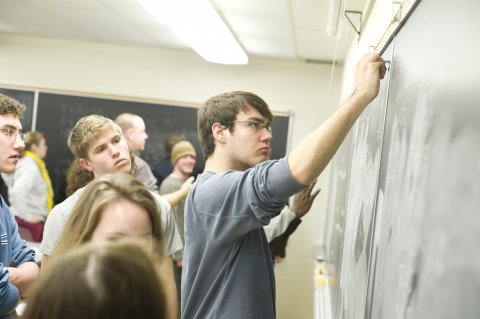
x,y
368,72
302,201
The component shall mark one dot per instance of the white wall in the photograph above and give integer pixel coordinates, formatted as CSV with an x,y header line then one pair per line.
x,y
185,77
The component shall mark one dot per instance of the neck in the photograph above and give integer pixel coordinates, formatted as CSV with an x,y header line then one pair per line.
x,y
218,163
32,154
180,175
133,151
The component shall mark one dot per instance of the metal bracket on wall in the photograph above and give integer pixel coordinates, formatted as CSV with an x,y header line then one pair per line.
x,y
396,10
358,14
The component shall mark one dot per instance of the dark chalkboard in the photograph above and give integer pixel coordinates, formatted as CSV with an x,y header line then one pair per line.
x,y
24,97
427,248
58,113
409,239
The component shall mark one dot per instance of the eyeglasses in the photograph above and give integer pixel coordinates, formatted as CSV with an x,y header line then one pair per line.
x,y
12,133
255,125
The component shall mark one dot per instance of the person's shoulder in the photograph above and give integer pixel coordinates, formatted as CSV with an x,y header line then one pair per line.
x,y
4,209
162,202
140,161
68,204
27,159
211,179
23,162
170,179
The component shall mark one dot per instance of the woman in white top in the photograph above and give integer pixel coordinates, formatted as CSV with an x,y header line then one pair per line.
x,y
29,187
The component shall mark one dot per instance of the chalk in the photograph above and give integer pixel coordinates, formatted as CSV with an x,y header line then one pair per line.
x,y
387,64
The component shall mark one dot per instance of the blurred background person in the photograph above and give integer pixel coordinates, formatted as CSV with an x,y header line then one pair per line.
x,y
183,158
165,167
101,280
30,190
134,132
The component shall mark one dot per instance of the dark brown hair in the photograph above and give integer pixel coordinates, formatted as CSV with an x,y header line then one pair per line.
x,y
223,109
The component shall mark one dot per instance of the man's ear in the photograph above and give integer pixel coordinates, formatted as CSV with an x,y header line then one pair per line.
x,y
85,164
219,132
127,134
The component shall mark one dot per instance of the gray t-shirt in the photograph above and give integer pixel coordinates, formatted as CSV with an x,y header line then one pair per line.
x,y
145,175
170,185
228,270
59,215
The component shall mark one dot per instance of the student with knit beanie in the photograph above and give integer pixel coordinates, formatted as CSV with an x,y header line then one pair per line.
x,y
183,158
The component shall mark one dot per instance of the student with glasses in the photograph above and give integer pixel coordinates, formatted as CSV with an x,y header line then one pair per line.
x,y
13,133
18,269
227,265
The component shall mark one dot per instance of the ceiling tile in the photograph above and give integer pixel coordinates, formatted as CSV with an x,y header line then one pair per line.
x,y
277,29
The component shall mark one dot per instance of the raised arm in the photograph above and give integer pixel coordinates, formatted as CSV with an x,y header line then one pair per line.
x,y
311,156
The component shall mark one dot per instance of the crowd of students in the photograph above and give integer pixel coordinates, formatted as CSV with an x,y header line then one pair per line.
x,y
199,250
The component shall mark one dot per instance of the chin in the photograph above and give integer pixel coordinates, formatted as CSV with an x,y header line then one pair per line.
x,y
261,160
125,170
7,169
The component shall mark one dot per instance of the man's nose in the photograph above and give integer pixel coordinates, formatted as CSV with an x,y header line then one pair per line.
x,y
19,144
113,149
266,135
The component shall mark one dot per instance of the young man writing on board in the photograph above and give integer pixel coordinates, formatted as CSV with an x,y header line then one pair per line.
x,y
228,271
98,144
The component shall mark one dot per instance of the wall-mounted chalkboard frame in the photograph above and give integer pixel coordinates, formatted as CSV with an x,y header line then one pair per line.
x,y
58,113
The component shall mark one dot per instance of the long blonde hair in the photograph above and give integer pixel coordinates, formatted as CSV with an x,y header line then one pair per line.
x,y
87,213
101,280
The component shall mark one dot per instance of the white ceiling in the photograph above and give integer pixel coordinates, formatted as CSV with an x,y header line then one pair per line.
x,y
275,29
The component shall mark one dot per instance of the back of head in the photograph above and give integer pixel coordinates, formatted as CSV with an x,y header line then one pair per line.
x,y
128,120
11,106
86,130
223,109
32,138
87,213
116,279
171,140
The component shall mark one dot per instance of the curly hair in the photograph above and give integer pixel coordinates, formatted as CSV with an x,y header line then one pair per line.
x,y
11,106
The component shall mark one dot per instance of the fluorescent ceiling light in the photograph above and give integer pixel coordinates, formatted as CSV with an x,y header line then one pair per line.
x,y
198,24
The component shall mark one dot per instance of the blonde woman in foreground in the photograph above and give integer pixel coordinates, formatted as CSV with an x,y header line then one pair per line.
x,y
106,279
114,206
